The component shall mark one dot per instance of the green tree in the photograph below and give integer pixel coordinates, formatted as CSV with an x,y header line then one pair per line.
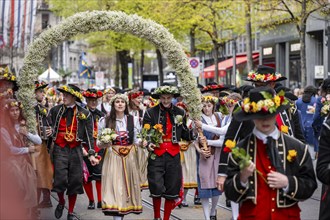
x,y
296,12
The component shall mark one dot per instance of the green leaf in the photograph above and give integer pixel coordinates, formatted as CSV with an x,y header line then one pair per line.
x,y
266,95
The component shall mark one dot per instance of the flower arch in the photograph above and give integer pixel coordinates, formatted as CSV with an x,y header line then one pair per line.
x,y
93,21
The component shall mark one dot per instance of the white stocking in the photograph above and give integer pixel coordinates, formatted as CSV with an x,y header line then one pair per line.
x,y
234,210
118,217
185,195
206,208
215,200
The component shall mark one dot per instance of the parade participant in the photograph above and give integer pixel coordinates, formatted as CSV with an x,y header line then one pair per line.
x,y
164,167
120,169
20,163
263,76
320,112
95,172
323,170
72,125
207,165
228,102
43,162
137,109
278,171
135,106
105,106
188,160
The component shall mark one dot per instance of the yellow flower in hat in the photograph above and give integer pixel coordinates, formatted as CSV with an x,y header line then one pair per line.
x,y
277,101
254,107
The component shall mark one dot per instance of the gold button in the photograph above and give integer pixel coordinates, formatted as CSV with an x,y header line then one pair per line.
x,y
251,150
273,199
241,191
269,167
273,210
251,182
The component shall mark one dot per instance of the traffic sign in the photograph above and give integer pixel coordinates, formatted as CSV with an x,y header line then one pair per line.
x,y
194,65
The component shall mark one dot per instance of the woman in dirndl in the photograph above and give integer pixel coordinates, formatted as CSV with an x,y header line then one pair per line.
x,y
137,109
19,164
121,193
208,162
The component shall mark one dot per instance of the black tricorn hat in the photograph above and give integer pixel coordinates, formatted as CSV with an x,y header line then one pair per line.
x,y
264,74
165,89
39,85
73,90
262,103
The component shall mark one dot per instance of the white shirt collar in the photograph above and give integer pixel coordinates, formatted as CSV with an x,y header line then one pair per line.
x,y
71,106
275,135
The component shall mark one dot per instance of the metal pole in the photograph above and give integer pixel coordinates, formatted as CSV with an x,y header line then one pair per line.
x,y
234,62
328,45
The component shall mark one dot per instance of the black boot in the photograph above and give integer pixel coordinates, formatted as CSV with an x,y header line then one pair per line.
x,y
197,201
59,211
72,216
99,205
91,205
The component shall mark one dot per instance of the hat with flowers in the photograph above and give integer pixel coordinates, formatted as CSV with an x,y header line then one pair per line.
x,y
264,74
73,90
13,103
39,85
213,87
6,74
166,89
92,93
262,103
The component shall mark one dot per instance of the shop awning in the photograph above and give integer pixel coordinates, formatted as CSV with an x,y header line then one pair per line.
x,y
225,65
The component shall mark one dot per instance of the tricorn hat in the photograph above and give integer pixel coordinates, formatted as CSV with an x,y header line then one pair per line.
x,y
73,90
166,89
39,85
264,74
92,93
262,103
213,87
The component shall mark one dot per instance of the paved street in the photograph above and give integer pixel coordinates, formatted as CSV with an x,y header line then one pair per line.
x,y
309,209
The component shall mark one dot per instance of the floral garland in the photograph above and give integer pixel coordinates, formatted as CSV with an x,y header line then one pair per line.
x,y
134,95
211,87
119,96
92,21
210,98
254,76
89,94
14,104
38,85
270,104
166,90
72,92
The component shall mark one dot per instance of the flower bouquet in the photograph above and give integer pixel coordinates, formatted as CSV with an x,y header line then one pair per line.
x,y
106,136
241,155
326,106
152,134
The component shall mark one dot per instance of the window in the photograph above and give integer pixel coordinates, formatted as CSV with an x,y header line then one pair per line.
x,y
44,21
